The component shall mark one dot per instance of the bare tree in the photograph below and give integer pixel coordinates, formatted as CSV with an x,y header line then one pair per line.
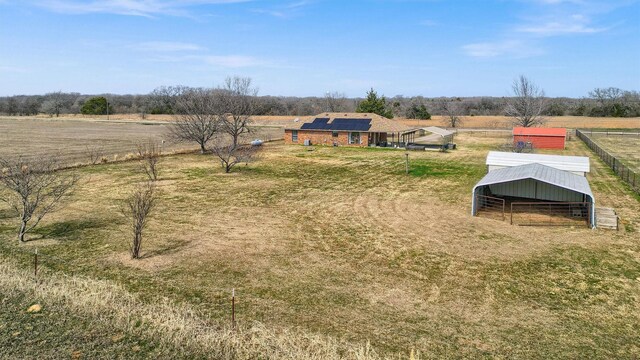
x,y
149,156
34,189
56,102
335,101
197,117
231,155
236,102
136,209
605,96
162,100
95,154
527,104
452,110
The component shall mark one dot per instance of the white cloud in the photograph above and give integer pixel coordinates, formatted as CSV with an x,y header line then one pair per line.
x,y
510,48
556,2
13,69
226,61
286,10
146,8
576,24
232,61
167,46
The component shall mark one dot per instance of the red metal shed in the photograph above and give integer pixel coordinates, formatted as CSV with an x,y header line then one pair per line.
x,y
541,138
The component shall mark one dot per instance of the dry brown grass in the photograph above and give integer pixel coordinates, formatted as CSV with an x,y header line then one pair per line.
x,y
74,138
178,330
625,148
340,242
493,122
571,122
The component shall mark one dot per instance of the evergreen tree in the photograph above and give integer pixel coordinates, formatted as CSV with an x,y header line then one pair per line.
x,y
95,106
374,104
418,112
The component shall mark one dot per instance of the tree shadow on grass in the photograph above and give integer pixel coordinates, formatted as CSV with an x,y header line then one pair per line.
x,y
7,213
67,230
169,249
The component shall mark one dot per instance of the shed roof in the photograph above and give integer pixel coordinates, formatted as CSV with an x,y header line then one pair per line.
x,y
561,162
532,131
439,131
378,123
547,174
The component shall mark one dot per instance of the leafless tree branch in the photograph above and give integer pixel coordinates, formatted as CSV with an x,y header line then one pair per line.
x,y
34,189
136,209
231,155
149,156
236,102
96,154
527,104
452,111
335,101
197,117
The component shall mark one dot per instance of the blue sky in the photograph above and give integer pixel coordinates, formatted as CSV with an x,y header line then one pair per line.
x,y
308,47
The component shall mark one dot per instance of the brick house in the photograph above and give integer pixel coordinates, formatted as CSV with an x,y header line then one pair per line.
x,y
348,129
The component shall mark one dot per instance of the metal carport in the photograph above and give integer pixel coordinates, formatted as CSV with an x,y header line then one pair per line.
x,y
537,182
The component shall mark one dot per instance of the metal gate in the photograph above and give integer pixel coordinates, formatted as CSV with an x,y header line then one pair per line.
x,y
551,213
490,207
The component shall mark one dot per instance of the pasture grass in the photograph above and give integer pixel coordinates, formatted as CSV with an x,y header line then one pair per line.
x,y
624,148
341,243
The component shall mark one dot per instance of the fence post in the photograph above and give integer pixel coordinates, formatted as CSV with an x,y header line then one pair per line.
x,y
35,266
233,308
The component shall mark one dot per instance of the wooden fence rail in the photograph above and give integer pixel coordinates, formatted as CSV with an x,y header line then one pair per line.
x,y
629,176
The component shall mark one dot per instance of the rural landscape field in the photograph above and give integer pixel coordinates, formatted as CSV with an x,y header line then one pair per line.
x,y
621,145
332,252
319,180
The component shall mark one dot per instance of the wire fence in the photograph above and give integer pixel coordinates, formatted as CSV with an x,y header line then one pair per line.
x,y
618,167
232,306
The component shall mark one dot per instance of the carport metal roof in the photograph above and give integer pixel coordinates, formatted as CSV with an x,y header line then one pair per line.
x,y
547,174
562,162
440,131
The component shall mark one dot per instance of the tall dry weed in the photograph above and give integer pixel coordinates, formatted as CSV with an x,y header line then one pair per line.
x,y
174,326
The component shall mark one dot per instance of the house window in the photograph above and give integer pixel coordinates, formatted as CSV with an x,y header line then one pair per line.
x,y
354,138
334,134
294,135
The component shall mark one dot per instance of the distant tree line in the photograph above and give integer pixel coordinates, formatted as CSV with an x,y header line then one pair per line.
x,y
600,102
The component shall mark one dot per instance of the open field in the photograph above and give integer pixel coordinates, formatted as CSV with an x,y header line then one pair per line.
x,y
74,139
337,242
624,148
572,122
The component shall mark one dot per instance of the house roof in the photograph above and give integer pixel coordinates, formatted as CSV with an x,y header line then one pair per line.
x,y
349,122
560,162
531,131
543,173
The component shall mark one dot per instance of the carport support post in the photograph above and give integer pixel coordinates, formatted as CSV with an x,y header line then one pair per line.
x,y
511,213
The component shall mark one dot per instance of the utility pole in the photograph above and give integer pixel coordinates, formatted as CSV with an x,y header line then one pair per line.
x,y
326,96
